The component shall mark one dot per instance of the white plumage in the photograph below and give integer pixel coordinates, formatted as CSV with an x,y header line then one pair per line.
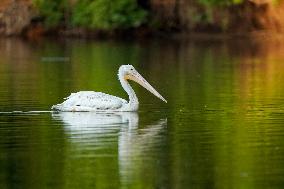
x,y
97,101
90,101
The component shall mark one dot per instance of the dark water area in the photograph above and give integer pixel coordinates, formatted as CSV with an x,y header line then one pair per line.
x,y
223,125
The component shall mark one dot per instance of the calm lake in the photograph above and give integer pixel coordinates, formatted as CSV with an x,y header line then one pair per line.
x,y
223,125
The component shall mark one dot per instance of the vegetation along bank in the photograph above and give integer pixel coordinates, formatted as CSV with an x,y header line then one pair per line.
x,y
34,18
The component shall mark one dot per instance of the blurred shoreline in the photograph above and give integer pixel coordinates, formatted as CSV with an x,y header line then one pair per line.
x,y
174,18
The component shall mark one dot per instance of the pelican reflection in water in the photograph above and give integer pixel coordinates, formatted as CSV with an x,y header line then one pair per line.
x,y
93,122
91,132
78,123
101,102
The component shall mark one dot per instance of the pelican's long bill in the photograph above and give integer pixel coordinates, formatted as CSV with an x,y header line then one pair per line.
x,y
140,80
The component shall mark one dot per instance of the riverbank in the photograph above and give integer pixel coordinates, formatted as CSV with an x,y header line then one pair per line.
x,y
32,18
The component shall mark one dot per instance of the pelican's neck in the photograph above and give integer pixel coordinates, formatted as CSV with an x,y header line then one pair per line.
x,y
133,100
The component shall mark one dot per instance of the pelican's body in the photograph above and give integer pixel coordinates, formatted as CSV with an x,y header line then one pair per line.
x,y
91,101
97,101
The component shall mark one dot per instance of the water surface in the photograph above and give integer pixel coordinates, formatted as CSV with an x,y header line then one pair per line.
x,y
221,128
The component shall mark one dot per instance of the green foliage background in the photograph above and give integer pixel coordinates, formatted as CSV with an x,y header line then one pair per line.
x,y
116,14
95,14
51,11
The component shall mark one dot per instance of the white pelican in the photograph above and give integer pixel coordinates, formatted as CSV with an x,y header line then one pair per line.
x,y
101,102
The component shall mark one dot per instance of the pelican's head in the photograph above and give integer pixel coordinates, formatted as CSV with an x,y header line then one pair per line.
x,y
129,73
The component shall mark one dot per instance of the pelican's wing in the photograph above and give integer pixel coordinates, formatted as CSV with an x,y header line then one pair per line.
x,y
90,101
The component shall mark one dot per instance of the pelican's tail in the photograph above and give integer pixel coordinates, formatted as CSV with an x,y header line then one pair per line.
x,y
57,107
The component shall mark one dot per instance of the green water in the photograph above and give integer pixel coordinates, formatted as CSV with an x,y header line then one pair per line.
x,y
223,125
